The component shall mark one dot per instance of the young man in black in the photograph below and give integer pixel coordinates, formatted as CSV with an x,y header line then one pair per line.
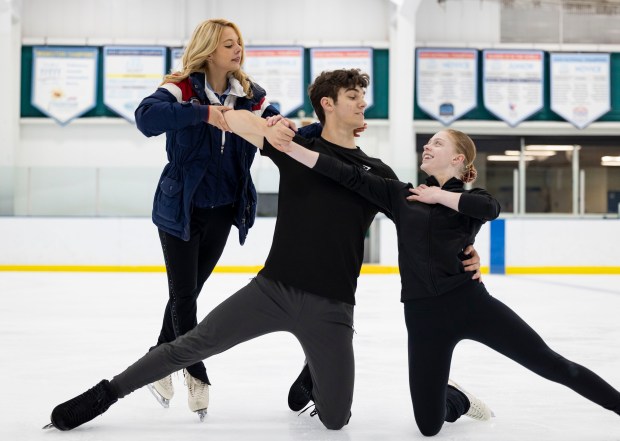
x,y
307,286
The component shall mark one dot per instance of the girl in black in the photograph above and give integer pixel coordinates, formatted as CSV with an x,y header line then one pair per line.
x,y
443,305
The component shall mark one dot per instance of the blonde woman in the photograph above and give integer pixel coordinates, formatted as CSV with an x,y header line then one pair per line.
x,y
206,186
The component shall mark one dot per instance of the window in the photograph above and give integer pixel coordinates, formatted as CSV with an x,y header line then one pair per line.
x,y
562,175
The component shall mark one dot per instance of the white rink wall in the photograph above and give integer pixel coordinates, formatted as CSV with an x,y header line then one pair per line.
x,y
532,245
566,242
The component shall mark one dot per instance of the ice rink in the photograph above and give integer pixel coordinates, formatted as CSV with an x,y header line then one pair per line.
x,y
63,332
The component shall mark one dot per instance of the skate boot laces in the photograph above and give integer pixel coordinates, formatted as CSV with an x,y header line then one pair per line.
x,y
198,393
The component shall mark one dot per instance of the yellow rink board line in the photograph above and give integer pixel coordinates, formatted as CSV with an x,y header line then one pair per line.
x,y
366,269
514,270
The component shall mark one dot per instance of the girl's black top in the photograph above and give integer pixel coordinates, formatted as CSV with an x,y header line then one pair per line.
x,y
431,237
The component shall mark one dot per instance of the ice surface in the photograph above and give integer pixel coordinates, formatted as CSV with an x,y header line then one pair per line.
x,y
63,332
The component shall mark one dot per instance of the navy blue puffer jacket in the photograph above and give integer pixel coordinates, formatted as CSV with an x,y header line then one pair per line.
x,y
181,110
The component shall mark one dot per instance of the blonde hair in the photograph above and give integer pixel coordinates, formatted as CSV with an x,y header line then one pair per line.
x,y
203,42
466,147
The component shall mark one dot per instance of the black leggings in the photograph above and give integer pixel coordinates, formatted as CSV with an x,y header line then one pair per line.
x,y
188,265
435,326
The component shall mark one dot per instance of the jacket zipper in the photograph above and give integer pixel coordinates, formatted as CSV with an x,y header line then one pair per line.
x,y
243,188
219,167
430,260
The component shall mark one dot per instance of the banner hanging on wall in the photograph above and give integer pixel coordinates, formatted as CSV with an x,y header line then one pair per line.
x,y
64,81
129,75
322,59
580,87
513,83
176,62
280,71
446,86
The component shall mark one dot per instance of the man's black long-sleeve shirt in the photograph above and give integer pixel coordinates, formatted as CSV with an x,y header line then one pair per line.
x,y
318,243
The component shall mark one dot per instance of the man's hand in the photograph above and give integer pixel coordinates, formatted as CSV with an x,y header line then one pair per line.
x,y
273,120
280,135
216,117
473,263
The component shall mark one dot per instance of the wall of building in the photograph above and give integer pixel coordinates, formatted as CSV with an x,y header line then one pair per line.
x,y
131,244
99,163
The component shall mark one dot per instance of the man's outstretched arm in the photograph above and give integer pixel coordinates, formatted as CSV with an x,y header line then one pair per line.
x,y
254,129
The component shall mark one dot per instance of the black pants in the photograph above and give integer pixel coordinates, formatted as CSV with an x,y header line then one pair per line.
x,y
188,266
435,326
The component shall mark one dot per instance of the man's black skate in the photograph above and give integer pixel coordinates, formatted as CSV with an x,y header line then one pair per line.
x,y
300,392
84,407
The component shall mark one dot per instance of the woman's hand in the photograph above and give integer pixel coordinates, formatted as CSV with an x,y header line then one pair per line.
x,y
424,193
435,195
216,117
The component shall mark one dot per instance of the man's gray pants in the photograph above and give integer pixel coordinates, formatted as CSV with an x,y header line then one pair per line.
x,y
324,327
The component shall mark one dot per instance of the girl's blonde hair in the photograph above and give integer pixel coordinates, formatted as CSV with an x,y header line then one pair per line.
x,y
203,42
466,147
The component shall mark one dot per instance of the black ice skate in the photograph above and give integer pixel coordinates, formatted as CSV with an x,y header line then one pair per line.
x,y
84,407
300,392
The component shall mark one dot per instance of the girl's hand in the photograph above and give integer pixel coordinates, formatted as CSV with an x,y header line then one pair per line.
x,y
424,193
216,117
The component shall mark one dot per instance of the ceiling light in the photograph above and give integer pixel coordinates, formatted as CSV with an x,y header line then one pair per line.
x,y
505,158
553,148
545,153
610,161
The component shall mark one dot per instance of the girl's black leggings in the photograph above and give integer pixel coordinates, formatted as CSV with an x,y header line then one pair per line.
x,y
435,326
188,265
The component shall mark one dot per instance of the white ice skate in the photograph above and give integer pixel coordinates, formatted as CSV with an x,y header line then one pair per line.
x,y
197,396
162,390
478,410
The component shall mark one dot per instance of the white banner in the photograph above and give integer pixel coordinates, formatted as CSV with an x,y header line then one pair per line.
x,y
325,59
513,84
64,81
446,86
580,87
130,74
280,71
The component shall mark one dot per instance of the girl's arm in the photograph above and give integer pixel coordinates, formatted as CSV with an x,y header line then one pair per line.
x,y
476,203
479,203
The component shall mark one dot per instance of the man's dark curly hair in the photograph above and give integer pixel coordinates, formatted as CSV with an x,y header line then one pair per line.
x,y
329,83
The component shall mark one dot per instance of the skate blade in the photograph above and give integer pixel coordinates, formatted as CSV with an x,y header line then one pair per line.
x,y
48,426
165,403
201,414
